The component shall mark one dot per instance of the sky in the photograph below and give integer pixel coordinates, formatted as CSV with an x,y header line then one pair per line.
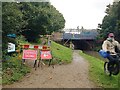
x,y
86,13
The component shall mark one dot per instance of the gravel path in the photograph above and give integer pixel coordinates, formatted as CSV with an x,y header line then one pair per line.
x,y
73,75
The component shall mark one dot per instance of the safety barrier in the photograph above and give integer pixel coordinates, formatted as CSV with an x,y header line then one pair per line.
x,y
37,53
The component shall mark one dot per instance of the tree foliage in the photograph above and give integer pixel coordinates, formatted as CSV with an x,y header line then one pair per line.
x,y
45,19
30,19
12,22
111,21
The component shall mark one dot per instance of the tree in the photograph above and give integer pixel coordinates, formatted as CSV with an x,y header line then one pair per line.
x,y
30,19
111,21
12,22
43,19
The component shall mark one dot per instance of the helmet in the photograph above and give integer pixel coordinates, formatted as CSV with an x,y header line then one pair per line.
x,y
110,35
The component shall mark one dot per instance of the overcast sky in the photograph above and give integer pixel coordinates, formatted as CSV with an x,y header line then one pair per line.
x,y
86,13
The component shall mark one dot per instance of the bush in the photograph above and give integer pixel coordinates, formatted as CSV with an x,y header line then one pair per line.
x,y
21,39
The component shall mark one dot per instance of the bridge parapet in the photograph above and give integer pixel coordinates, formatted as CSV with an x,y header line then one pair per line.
x,y
82,35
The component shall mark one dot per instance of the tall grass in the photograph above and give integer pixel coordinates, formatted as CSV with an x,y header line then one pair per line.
x,y
97,75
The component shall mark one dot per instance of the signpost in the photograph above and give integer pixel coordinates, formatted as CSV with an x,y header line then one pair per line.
x,y
11,47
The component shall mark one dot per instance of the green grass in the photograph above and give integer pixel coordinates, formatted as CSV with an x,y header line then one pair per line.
x,y
13,71
61,53
97,75
11,67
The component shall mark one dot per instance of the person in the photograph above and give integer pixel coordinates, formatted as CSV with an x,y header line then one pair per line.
x,y
71,45
109,46
49,42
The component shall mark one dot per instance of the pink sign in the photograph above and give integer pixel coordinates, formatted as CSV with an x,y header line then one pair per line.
x,y
45,55
30,54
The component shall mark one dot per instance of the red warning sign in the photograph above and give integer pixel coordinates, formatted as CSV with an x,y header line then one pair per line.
x,y
45,55
30,54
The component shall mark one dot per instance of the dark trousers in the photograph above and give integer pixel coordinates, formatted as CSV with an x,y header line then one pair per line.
x,y
112,57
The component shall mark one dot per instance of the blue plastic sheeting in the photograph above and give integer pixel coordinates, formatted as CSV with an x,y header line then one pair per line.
x,y
103,53
11,35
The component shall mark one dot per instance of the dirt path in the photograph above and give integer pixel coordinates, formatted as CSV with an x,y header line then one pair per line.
x,y
74,75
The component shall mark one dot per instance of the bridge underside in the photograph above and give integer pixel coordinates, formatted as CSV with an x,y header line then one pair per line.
x,y
83,40
81,44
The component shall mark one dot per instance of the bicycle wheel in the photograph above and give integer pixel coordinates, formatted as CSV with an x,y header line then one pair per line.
x,y
113,67
106,69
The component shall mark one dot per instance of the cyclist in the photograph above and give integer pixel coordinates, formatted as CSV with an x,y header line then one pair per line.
x,y
109,46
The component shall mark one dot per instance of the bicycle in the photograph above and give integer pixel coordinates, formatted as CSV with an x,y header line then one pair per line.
x,y
112,67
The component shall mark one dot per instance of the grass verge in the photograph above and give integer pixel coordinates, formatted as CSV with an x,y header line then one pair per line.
x,y
97,75
61,53
12,70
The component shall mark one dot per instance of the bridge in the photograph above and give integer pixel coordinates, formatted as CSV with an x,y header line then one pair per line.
x,y
80,35
82,38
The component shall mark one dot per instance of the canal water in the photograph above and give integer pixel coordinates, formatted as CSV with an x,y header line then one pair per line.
x,y
94,54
